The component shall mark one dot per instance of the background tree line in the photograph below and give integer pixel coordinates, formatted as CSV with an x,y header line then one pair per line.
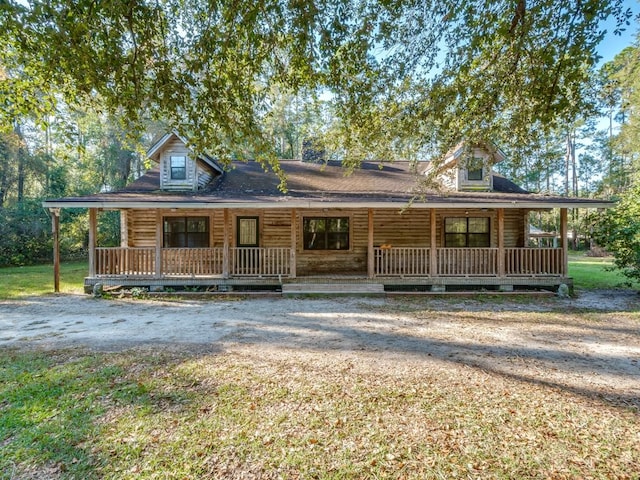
x,y
85,86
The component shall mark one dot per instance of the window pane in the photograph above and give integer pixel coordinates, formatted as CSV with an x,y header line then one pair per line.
x,y
178,165
247,232
174,224
338,241
338,224
479,240
198,240
314,225
180,232
178,161
475,174
455,225
197,224
315,241
478,225
326,233
455,240
174,240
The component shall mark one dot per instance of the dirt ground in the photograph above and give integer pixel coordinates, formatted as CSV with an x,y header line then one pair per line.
x,y
589,344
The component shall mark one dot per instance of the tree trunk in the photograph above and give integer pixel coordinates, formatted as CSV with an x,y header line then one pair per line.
x,y
22,153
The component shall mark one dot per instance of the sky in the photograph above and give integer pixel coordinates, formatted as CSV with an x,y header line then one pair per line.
x,y
614,44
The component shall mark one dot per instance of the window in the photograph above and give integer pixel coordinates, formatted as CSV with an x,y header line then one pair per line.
x,y
247,231
190,232
178,165
474,169
326,233
467,232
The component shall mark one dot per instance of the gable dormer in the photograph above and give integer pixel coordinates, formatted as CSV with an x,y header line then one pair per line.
x,y
469,168
180,169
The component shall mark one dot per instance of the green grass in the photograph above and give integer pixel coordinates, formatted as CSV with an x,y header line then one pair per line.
x,y
17,282
136,415
596,273
49,404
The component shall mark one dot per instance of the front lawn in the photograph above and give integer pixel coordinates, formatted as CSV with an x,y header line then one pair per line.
x,y
596,273
38,279
244,414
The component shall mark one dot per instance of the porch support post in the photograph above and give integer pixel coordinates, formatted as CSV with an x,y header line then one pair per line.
x,y
225,245
526,229
370,254
159,227
565,241
93,230
433,244
294,243
124,241
501,242
55,230
124,228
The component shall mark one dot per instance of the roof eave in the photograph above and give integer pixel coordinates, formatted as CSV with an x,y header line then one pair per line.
x,y
315,203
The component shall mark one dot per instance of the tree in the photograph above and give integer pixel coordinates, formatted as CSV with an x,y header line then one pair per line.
x,y
9,147
403,77
618,231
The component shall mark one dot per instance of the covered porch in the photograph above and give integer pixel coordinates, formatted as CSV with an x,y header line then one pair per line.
x,y
427,268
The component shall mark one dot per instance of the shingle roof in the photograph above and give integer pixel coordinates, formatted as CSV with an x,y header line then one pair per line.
x,y
248,183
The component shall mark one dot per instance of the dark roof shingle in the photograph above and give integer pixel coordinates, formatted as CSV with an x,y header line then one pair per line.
x,y
247,182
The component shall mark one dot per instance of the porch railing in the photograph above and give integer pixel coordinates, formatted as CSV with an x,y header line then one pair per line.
x,y
254,261
117,261
192,261
467,261
450,262
401,261
534,261
125,261
258,262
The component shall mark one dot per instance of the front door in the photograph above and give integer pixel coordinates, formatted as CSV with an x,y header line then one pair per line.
x,y
247,257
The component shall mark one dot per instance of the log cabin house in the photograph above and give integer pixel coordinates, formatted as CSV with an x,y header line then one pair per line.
x,y
189,222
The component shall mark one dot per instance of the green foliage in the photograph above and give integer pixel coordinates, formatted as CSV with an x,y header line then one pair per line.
x,y
618,231
402,77
25,234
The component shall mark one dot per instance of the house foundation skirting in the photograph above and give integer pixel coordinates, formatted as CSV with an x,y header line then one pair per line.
x,y
390,284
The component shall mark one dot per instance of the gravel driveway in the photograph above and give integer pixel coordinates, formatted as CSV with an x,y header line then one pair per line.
x,y
590,344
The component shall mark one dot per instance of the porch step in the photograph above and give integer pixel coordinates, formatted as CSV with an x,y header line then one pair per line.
x,y
333,288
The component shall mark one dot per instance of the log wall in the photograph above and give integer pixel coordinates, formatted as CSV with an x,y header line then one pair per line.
x,y
410,228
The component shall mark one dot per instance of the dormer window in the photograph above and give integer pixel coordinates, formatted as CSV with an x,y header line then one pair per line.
x,y
474,169
178,165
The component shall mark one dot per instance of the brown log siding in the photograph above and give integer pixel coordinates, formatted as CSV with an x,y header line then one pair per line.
x,y
409,228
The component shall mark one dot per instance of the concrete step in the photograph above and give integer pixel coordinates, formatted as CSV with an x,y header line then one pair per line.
x,y
332,288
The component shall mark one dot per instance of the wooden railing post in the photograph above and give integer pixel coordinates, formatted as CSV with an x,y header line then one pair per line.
x,y
55,231
294,244
159,228
433,244
370,253
93,229
565,241
226,245
501,242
